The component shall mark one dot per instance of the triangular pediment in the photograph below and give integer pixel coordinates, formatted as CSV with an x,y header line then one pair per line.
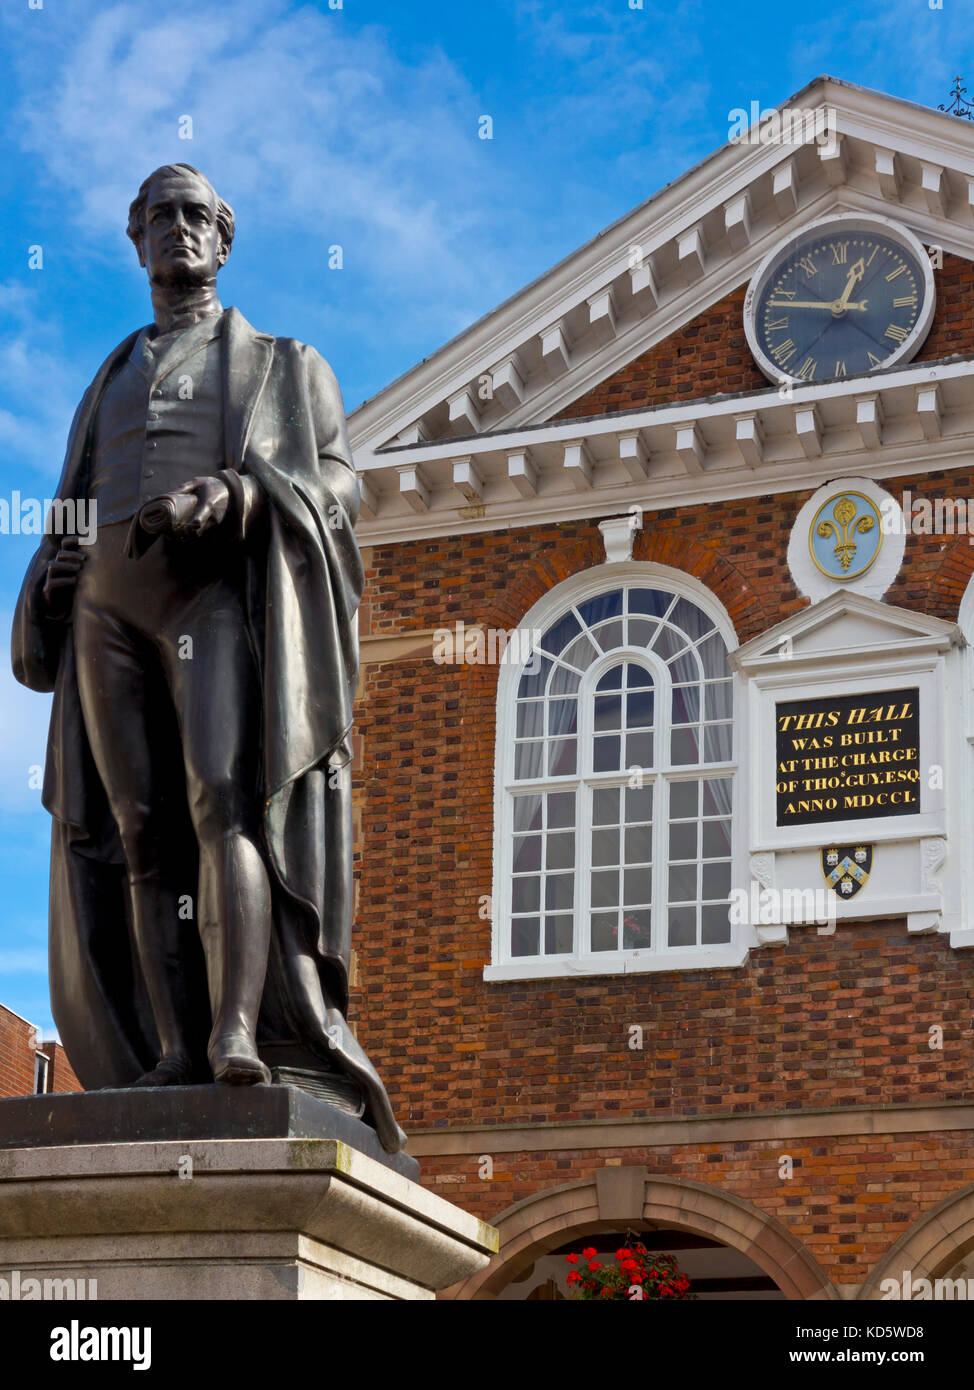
x,y
691,247
844,623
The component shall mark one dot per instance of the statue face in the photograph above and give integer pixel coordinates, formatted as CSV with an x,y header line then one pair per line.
x,y
182,244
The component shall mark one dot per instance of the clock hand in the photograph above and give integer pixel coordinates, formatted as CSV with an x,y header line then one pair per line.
x,y
856,272
829,304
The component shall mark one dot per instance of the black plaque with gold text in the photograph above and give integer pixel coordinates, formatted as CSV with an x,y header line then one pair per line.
x,y
848,757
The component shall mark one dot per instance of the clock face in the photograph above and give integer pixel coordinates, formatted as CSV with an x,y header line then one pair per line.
x,y
846,297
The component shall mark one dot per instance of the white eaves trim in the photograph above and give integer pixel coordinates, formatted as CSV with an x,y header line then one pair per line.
x,y
557,338
744,446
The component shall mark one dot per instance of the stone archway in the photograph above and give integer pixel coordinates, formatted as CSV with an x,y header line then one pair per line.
x,y
617,1195
934,1244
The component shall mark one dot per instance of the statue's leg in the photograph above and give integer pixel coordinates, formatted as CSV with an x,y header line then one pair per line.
x,y
115,671
217,696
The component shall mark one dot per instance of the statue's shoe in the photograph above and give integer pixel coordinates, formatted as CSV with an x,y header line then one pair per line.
x,y
173,1070
235,1062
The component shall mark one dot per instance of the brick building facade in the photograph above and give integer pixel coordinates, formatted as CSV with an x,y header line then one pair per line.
x,y
30,1064
787,1106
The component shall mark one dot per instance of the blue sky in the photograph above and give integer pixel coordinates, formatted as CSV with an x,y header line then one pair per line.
x,y
355,126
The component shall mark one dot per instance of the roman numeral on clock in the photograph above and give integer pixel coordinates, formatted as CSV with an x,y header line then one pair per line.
x,y
784,351
839,252
776,324
807,369
900,270
907,299
898,334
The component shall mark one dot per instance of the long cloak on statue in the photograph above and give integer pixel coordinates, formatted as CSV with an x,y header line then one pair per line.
x,y
284,424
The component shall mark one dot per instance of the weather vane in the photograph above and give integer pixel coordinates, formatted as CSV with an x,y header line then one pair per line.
x,y
959,106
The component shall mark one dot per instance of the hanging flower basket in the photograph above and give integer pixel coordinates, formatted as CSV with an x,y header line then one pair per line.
x,y
637,1274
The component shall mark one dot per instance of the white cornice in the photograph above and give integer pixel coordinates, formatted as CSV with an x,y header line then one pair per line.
x,y
742,446
606,316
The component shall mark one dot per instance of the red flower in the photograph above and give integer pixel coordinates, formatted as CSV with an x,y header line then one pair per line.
x,y
572,1259
593,1266
589,1253
623,1254
574,1277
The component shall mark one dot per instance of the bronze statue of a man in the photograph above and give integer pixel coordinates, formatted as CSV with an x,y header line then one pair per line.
x,y
203,658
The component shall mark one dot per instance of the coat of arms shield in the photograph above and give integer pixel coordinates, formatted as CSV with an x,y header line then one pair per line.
x,y
846,868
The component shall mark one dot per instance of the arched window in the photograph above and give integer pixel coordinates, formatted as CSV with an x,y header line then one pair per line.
x,y
616,772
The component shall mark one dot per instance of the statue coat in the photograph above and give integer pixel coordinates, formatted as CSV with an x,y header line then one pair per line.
x,y
284,424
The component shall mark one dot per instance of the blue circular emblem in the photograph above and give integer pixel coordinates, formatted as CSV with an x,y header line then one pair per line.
x,y
845,535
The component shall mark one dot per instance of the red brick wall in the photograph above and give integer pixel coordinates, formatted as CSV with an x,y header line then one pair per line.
x,y
848,1200
61,1075
827,1021
16,1055
709,356
17,1059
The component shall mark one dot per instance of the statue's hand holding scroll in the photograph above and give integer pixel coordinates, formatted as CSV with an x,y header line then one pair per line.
x,y
188,511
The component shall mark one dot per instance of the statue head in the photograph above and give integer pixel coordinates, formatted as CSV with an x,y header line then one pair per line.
x,y
181,229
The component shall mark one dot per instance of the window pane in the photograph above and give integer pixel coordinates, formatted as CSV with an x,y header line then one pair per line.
x,y
581,653
639,844
654,602
717,796
527,853
683,883
605,806
608,712
639,804
691,619
526,895
639,709
718,743
606,753
561,809
686,704
609,636
637,886
611,680
683,841
605,606
685,745
605,889
527,813
561,757
560,852
562,716
525,936
713,654
562,632
669,642
533,682
559,935
716,880
563,682
720,700
685,667
683,926
605,930
684,799
530,719
637,930
716,926
639,750
527,760
559,891
716,839
605,847
641,632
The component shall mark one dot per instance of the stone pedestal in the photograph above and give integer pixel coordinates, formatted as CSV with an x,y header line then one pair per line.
x,y
226,1218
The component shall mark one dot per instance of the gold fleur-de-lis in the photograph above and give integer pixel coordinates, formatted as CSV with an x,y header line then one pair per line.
x,y
844,512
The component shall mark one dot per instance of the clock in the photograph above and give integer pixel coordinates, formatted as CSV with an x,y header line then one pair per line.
x,y
847,295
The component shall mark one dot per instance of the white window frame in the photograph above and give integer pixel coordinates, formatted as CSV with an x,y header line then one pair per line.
x,y
553,605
